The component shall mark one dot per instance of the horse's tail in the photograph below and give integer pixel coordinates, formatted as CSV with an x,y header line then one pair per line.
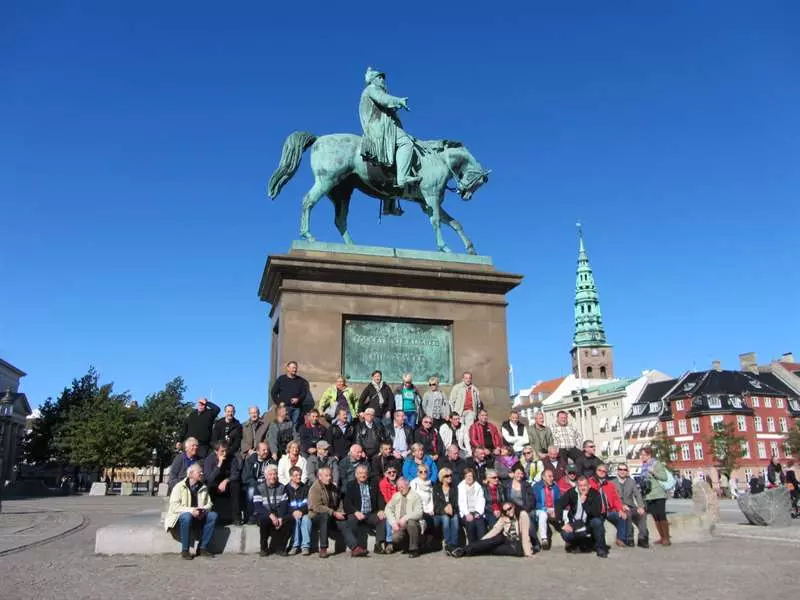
x,y
293,148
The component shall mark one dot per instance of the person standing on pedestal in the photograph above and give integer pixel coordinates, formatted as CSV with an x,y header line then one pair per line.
x,y
408,400
540,436
198,425
378,395
254,431
434,403
465,400
566,437
228,429
293,391
337,397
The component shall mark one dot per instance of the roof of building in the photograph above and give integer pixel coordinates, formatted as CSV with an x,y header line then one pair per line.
x,y
589,330
649,404
547,387
612,386
12,368
773,381
715,382
793,367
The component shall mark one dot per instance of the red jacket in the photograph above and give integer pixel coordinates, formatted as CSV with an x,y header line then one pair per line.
x,y
564,484
387,489
476,435
608,495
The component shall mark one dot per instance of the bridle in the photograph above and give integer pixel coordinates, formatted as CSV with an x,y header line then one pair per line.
x,y
463,188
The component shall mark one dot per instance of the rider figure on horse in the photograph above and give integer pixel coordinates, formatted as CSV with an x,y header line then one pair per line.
x,y
385,142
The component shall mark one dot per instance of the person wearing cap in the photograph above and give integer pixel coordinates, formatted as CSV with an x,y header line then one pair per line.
x,y
322,459
568,481
385,143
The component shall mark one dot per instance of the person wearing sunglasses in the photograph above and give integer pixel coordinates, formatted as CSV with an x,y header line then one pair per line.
x,y
445,509
633,502
613,509
587,462
387,488
435,404
508,537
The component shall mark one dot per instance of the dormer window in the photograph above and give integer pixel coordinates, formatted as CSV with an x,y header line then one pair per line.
x,y
736,402
655,407
688,386
714,402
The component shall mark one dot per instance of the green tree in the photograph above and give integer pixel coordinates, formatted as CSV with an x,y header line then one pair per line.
x,y
726,446
40,444
95,434
663,448
162,415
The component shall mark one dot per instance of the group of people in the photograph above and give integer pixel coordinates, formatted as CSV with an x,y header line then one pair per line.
x,y
421,470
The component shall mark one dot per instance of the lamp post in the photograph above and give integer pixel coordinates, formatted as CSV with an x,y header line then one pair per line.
x,y
151,485
6,410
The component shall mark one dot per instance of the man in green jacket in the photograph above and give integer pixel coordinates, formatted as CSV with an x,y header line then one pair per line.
x,y
655,474
540,437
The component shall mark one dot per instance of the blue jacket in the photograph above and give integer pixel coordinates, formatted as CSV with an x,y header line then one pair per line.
x,y
271,500
538,493
410,468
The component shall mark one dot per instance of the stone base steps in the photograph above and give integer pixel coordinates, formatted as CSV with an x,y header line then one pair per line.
x,y
144,534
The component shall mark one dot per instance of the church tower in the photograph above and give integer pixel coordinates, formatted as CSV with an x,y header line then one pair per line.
x,y
592,356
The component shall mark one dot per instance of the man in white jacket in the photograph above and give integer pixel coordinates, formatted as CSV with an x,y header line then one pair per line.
x,y
514,433
453,432
403,514
190,505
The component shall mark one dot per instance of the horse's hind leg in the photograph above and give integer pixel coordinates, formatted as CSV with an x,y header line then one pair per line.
x,y
313,196
340,196
456,226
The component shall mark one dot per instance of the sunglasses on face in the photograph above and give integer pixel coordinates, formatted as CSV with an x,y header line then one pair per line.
x,y
391,472
446,476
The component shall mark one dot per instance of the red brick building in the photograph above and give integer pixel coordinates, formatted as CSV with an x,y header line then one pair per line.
x,y
760,406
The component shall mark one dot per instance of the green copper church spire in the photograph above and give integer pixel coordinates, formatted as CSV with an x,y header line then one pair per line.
x,y
588,318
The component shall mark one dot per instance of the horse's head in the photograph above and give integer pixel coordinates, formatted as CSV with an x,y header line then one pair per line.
x,y
471,175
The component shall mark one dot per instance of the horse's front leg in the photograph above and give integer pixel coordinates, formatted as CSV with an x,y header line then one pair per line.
x,y
449,220
434,203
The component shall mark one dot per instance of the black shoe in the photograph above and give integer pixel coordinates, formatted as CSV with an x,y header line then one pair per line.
x,y
457,552
264,553
602,554
629,544
643,544
186,555
378,548
283,553
413,554
546,545
204,553
570,549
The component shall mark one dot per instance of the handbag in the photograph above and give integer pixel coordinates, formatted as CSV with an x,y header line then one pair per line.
x,y
579,527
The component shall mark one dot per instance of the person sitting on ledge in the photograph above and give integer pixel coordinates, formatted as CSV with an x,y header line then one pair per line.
x,y
417,458
271,506
182,462
584,525
223,471
190,505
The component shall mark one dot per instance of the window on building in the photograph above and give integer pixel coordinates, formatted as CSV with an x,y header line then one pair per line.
x,y
602,371
673,453
745,449
748,474
685,455
762,450
787,449
638,409
771,424
754,401
736,402
757,424
655,408
779,402
604,406
679,405
741,423
773,450
716,421
714,402
767,402
682,426
670,428
695,425
698,451
589,372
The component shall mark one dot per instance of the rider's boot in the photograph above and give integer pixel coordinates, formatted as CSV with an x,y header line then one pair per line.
x,y
392,207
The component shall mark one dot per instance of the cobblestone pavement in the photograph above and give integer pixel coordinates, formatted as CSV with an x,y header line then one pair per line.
x,y
66,567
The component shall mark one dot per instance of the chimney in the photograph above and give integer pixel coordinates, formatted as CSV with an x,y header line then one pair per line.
x,y
748,362
787,357
716,365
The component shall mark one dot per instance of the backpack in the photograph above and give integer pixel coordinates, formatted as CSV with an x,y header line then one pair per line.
x,y
669,483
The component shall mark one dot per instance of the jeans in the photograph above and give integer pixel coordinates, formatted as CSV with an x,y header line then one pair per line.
x,y
411,421
302,532
248,507
596,531
641,524
620,524
294,416
185,522
475,528
449,526
388,533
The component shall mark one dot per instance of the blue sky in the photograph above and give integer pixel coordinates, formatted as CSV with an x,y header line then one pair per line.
x,y
137,141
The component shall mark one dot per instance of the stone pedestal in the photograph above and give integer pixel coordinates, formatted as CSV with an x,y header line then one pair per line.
x,y
316,294
126,488
163,490
98,489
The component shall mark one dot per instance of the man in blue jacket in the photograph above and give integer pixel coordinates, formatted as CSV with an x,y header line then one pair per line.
x,y
546,493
